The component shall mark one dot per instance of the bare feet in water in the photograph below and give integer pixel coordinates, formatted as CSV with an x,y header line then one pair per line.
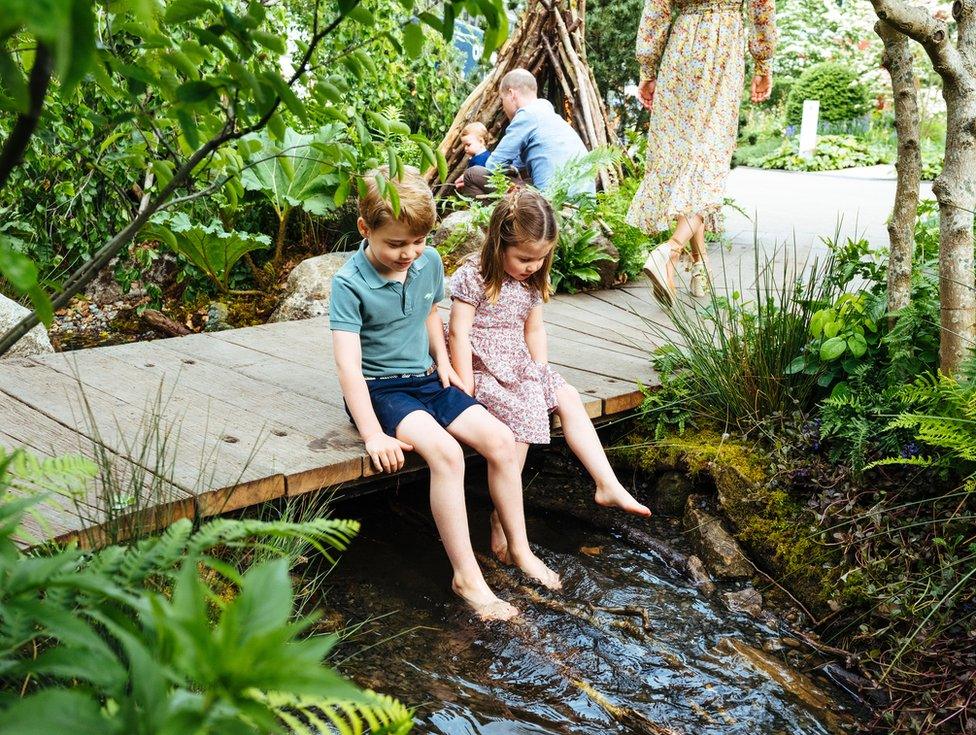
x,y
616,496
534,568
483,601
499,544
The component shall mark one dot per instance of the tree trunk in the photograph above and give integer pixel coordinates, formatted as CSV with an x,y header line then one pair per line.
x,y
955,188
897,60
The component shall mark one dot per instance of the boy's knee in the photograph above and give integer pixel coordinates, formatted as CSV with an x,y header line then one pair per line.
x,y
446,454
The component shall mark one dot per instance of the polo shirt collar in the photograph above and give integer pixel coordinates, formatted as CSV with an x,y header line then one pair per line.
x,y
368,271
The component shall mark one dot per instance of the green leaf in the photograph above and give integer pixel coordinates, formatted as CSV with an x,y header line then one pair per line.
x,y
55,711
13,81
817,322
833,348
42,304
270,41
288,96
195,91
831,327
17,268
362,16
189,127
342,191
857,345
413,39
441,165
796,366
378,121
180,11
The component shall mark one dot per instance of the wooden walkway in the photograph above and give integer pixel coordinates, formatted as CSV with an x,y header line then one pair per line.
x,y
249,415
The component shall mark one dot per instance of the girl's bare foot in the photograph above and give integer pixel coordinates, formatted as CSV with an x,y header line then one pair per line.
x,y
483,601
534,568
499,544
616,496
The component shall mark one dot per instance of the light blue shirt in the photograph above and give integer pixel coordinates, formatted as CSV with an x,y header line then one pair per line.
x,y
541,141
389,317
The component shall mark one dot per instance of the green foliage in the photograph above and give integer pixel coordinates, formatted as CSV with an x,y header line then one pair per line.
x,y
842,95
832,152
163,636
211,248
611,212
577,255
611,27
813,31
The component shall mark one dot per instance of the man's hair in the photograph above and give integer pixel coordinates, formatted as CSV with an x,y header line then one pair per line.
x,y
476,128
417,209
520,79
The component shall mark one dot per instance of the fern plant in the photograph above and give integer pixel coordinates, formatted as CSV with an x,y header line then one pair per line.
x,y
163,636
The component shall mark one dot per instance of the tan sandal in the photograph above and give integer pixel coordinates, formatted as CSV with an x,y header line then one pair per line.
x,y
656,268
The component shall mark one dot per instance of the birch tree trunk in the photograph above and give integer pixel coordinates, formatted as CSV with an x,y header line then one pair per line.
x,y
897,60
955,187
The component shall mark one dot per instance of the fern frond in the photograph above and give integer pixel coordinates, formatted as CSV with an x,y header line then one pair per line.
x,y
66,475
376,714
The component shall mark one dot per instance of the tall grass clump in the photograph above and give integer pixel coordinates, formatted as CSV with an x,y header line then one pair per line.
x,y
729,359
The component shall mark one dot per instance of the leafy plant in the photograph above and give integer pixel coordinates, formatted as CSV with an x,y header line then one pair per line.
x,y
577,255
833,152
211,248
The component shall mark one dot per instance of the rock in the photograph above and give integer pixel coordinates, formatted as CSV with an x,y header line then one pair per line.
x,y
217,317
671,493
309,287
35,342
718,549
747,600
607,268
458,235
699,575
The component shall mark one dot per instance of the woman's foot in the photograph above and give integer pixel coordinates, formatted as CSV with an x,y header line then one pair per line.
x,y
485,603
699,280
615,495
660,268
534,568
499,544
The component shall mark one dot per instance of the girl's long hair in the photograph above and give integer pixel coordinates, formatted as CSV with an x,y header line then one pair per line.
x,y
523,215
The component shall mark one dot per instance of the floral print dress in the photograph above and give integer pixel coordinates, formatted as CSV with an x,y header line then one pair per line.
x,y
695,51
516,390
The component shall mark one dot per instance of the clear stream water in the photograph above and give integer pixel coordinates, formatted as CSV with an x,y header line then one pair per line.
x,y
580,661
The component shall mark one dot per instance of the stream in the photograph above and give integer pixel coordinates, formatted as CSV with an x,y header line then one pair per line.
x,y
585,660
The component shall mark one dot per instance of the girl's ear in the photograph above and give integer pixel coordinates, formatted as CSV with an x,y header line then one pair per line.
x,y
361,226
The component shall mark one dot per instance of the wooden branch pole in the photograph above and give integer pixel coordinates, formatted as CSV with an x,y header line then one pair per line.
x,y
955,187
549,42
897,60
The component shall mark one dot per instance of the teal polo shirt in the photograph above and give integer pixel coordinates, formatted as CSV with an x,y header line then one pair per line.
x,y
388,316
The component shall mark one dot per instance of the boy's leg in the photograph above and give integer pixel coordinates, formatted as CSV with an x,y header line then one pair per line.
x,y
499,544
446,461
585,443
494,441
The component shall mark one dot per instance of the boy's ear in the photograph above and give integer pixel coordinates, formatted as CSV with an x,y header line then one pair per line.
x,y
361,226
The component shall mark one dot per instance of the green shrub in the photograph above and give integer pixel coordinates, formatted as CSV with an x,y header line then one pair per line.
x,y
842,95
833,152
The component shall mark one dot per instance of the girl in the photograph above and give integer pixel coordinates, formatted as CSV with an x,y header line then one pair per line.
x,y
498,344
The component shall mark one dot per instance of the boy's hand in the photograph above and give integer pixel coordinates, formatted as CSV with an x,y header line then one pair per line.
x,y
386,452
449,377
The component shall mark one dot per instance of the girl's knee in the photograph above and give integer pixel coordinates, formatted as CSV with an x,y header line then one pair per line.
x,y
500,443
569,395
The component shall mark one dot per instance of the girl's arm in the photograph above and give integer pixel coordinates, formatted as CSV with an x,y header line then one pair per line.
x,y
535,336
385,451
438,350
462,317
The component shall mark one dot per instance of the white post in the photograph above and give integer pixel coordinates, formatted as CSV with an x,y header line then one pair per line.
x,y
808,128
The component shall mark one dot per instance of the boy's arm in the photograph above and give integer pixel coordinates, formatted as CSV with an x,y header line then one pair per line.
x,y
509,147
462,317
386,452
535,336
438,350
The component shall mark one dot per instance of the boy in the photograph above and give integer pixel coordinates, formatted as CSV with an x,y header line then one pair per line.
x,y
474,138
399,386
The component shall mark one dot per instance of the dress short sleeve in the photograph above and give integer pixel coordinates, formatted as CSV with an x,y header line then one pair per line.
x,y
467,285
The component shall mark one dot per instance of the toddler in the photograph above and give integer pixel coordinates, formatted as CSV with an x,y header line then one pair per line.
x,y
474,138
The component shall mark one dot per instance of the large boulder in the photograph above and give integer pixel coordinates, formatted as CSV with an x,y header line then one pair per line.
x,y
714,544
309,288
458,236
34,342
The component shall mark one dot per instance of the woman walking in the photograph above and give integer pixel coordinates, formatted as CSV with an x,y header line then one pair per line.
x,y
692,70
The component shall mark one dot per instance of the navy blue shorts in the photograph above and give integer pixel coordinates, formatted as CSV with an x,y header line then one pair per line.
x,y
394,398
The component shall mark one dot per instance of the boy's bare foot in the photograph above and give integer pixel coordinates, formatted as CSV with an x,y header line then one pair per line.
x,y
616,496
534,568
483,601
499,544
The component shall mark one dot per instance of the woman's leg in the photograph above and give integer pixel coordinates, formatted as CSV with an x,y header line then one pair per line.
x,y
494,441
585,442
446,461
499,544
684,231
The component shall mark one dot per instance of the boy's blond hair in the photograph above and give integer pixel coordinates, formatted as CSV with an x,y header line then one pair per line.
x,y
476,128
417,209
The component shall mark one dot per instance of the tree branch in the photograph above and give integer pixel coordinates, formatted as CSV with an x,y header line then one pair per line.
x,y
916,23
23,129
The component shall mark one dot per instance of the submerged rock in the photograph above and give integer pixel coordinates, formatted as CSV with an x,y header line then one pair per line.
x,y
309,288
747,600
671,493
699,575
718,549
35,342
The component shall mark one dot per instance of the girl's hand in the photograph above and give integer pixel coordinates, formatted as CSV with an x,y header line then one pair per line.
x,y
762,87
386,452
645,92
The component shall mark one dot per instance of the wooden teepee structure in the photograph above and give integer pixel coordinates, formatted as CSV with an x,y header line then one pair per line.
x,y
549,42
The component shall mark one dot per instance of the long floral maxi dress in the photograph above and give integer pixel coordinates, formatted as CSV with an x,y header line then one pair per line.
x,y
698,61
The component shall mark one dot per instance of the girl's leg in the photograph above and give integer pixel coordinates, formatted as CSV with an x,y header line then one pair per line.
x,y
585,443
499,544
446,461
494,441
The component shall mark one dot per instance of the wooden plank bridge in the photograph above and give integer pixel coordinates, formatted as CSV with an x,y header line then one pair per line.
x,y
214,422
